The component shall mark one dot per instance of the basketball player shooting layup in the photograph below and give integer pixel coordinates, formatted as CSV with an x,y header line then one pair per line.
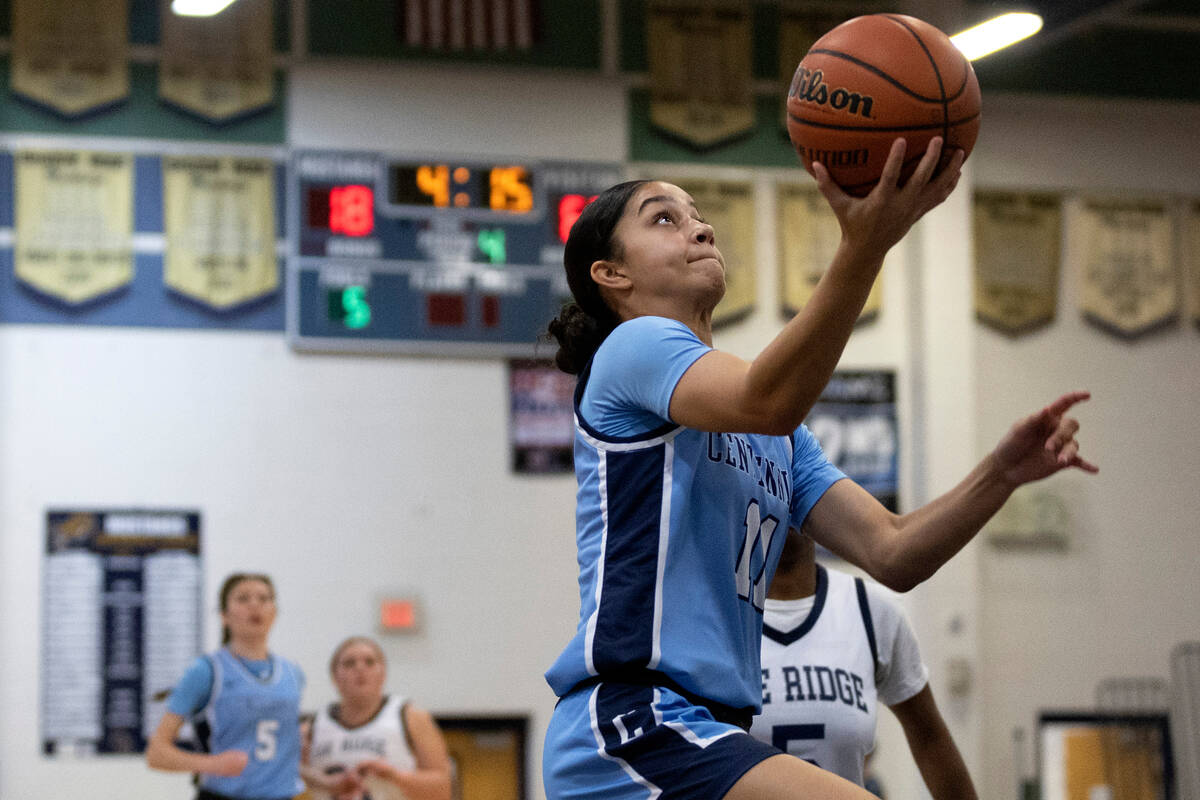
x,y
679,524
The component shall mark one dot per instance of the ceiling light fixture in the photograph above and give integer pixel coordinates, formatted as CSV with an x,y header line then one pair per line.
x,y
996,33
199,8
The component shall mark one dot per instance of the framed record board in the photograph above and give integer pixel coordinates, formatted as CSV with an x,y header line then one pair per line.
x,y
121,622
429,255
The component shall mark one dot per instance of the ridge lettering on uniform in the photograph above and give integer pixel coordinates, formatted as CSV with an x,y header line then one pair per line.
x,y
823,684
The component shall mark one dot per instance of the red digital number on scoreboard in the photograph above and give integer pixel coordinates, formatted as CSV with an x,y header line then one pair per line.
x,y
569,209
351,210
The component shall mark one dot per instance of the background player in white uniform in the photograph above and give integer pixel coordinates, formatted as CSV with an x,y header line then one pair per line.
x,y
833,648
372,746
244,704
689,460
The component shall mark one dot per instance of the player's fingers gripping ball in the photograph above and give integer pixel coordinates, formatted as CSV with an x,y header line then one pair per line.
x,y
874,79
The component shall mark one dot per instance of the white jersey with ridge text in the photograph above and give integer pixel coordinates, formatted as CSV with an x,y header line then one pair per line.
x,y
827,661
384,737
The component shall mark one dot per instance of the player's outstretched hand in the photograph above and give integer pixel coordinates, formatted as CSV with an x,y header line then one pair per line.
x,y
873,224
1042,444
228,763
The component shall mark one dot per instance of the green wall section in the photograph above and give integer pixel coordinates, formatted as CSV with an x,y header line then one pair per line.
x,y
1158,65
143,115
766,145
569,34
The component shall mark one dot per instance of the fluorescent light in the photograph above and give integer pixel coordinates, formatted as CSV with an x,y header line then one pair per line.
x,y
199,8
996,33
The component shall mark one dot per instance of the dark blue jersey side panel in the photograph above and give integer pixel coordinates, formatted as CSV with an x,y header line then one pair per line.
x,y
625,621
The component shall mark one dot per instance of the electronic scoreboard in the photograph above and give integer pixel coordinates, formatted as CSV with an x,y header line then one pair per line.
x,y
396,254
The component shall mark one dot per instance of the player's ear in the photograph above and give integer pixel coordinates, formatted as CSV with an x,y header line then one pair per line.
x,y
609,275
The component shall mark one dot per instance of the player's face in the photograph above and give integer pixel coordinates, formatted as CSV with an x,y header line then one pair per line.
x,y
249,609
667,249
359,671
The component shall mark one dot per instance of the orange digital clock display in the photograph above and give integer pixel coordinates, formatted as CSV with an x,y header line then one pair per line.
x,y
501,188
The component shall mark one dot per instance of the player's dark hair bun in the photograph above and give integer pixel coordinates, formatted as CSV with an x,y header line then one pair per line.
x,y
578,335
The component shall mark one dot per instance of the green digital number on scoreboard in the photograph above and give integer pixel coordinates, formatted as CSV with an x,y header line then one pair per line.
x,y
398,254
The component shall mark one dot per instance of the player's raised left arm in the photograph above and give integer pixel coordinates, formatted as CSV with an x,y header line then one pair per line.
x,y
941,764
902,550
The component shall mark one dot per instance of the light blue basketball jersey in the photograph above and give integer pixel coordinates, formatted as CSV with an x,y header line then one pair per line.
x,y
678,530
258,715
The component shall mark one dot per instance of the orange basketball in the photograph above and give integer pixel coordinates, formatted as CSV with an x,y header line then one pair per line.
x,y
872,80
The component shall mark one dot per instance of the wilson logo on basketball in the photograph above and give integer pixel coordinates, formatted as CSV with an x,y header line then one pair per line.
x,y
809,86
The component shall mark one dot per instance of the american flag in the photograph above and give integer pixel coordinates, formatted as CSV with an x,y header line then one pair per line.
x,y
468,25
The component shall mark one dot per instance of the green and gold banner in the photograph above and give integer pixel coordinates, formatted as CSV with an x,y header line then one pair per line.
x,y
809,235
1018,241
219,219
71,55
1128,280
700,70
729,207
218,67
74,223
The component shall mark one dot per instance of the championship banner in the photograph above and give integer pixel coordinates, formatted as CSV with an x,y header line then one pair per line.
x,y
855,423
1192,262
809,234
74,223
729,207
1018,238
219,219
700,70
70,55
218,67
1127,273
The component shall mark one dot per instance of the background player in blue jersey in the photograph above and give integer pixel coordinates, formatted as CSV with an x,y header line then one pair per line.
x,y
834,648
244,703
693,463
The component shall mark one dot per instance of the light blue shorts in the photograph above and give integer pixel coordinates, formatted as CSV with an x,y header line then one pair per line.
x,y
620,741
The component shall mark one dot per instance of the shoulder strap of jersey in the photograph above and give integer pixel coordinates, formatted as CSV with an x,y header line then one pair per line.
x,y
864,608
404,725
215,668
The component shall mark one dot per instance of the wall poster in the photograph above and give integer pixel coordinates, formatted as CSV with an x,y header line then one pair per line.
x,y
855,422
541,417
121,616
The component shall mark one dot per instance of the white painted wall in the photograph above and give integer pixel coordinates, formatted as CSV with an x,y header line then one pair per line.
x,y
1054,625
345,477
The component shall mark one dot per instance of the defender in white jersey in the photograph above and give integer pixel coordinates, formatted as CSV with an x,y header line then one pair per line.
x,y
368,745
691,465
834,647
